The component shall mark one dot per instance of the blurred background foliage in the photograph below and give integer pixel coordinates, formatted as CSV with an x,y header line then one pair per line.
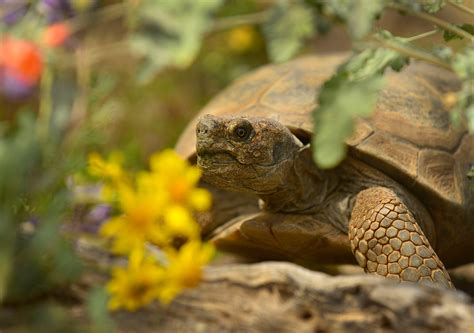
x,y
98,75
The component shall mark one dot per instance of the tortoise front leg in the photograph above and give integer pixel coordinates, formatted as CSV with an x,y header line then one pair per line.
x,y
386,240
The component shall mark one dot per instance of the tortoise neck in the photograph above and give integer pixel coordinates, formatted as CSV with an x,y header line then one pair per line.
x,y
304,189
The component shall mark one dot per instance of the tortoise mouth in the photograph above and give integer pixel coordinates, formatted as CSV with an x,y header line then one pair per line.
x,y
207,158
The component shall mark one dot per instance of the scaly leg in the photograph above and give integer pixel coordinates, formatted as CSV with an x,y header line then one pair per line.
x,y
386,240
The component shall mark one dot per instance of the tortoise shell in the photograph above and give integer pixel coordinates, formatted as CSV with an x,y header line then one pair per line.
x,y
409,137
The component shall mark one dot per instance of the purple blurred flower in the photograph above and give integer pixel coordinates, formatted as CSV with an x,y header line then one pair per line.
x,y
12,87
100,213
13,10
55,10
96,217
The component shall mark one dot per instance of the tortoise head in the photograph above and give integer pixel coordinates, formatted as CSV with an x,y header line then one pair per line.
x,y
245,154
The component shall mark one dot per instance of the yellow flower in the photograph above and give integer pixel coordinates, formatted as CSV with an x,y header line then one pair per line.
x,y
108,193
134,286
155,207
167,161
108,170
200,199
138,222
241,39
184,268
180,180
180,223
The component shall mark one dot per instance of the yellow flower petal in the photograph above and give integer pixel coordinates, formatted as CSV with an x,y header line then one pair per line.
x,y
186,265
136,256
112,226
192,175
167,161
110,169
133,287
179,222
200,199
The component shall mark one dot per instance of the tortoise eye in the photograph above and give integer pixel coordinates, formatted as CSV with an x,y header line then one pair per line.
x,y
243,131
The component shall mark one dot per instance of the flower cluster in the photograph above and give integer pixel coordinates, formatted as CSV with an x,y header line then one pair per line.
x,y
22,60
22,56
154,228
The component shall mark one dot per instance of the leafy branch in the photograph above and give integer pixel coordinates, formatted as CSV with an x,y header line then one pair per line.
x,y
408,50
333,113
435,20
461,7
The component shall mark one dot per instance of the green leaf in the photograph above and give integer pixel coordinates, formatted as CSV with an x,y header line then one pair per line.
x,y
470,176
463,63
372,62
464,108
51,317
470,173
289,24
398,63
170,33
340,102
449,35
358,14
470,117
362,16
7,243
409,4
443,52
432,6
19,153
101,321
350,93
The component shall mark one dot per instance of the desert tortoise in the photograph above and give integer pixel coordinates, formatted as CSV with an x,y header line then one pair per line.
x,y
401,201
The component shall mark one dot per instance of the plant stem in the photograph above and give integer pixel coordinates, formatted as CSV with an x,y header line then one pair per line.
x,y
413,53
79,108
423,35
233,21
461,7
437,21
97,54
46,104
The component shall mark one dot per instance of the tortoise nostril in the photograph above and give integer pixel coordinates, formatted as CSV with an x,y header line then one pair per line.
x,y
201,129
205,125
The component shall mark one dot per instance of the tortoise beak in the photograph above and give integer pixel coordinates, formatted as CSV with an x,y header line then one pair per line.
x,y
210,136
206,130
206,126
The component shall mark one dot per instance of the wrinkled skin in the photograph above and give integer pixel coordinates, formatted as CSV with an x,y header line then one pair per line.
x,y
251,155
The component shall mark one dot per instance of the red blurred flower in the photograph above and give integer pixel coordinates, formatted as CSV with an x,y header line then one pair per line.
x,y
56,34
20,59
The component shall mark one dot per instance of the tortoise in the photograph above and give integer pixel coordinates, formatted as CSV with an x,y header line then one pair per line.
x,y
400,203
